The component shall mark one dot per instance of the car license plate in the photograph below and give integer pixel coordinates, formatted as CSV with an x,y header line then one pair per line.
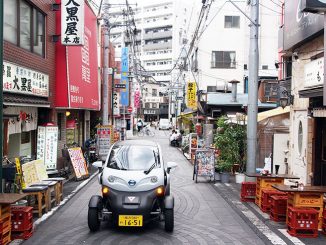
x,y
130,220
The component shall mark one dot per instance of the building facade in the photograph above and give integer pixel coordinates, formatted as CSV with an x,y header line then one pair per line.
x,y
221,50
29,74
302,50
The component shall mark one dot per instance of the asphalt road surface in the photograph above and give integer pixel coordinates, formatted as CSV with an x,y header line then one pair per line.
x,y
201,215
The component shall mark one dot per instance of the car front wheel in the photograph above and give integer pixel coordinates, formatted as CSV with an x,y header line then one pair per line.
x,y
169,220
93,219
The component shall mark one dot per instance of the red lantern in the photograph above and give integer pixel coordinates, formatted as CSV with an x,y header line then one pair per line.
x,y
198,129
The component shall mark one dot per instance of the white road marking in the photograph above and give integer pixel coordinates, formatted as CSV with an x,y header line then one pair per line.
x,y
268,233
293,239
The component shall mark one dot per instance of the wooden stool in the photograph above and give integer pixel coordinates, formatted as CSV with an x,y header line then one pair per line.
x,y
52,192
41,195
59,188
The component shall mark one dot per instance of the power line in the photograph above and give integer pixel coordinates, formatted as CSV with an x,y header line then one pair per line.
x,y
276,3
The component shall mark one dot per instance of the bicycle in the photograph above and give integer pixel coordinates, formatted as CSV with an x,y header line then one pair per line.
x,y
145,131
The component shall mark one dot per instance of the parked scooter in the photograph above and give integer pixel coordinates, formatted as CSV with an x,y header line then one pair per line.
x,y
90,150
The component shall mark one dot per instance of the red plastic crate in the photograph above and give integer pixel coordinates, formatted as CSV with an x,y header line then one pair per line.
x,y
266,198
304,233
302,218
22,234
278,204
248,191
277,217
21,218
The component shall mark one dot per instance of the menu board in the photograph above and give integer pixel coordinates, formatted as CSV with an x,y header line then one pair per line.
x,y
34,172
78,162
47,144
205,162
105,135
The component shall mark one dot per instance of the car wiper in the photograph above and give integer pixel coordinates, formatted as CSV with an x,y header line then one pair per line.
x,y
150,169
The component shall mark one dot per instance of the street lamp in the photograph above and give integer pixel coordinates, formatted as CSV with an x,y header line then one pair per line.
x,y
286,99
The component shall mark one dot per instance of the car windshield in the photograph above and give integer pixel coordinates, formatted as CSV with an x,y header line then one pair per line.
x,y
133,157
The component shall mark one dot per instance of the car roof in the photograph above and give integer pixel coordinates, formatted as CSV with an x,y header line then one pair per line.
x,y
137,142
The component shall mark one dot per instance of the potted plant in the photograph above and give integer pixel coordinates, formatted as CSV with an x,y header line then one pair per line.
x,y
225,168
230,141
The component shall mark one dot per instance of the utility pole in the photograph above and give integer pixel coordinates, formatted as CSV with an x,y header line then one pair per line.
x,y
253,88
1,91
105,111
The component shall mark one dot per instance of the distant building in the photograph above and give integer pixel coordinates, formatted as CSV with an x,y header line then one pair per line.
x,y
161,31
221,50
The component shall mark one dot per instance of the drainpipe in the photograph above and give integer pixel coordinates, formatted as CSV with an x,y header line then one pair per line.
x,y
234,90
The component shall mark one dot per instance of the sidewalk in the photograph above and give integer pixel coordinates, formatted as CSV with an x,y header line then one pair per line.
x,y
260,221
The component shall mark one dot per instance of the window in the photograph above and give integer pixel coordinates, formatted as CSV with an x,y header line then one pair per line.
x,y
154,92
154,105
264,67
10,21
245,67
300,137
130,158
24,26
223,59
231,21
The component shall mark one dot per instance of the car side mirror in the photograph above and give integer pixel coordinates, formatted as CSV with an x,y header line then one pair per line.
x,y
99,165
170,165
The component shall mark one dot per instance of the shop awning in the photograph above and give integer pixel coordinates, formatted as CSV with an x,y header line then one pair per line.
x,y
271,113
20,100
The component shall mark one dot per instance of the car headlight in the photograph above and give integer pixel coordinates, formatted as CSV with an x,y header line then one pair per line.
x,y
154,179
105,190
160,191
111,178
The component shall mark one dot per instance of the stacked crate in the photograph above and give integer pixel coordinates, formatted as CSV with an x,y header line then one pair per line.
x,y
266,198
302,222
265,184
310,200
324,222
5,219
248,191
278,208
21,222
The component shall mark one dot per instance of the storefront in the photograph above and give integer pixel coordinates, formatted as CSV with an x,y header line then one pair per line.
x,y
25,92
77,84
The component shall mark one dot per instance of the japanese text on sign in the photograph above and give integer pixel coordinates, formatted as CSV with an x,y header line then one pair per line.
x,y
21,80
191,95
72,22
124,93
78,162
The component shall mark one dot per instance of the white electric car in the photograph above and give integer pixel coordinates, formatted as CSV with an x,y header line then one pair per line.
x,y
135,186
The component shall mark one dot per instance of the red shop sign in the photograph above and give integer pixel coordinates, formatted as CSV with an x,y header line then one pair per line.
x,y
77,69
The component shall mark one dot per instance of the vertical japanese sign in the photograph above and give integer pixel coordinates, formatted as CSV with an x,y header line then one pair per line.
x,y
116,104
137,99
47,144
104,139
78,162
72,22
124,93
191,95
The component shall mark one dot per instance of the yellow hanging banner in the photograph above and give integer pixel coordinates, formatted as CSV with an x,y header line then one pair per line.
x,y
191,95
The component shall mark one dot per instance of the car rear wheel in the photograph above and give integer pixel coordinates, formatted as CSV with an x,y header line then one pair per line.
x,y
93,219
169,220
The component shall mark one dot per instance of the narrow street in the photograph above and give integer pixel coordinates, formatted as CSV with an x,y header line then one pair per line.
x,y
201,215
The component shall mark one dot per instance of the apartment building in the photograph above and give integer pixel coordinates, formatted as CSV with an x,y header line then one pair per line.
x,y
221,52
